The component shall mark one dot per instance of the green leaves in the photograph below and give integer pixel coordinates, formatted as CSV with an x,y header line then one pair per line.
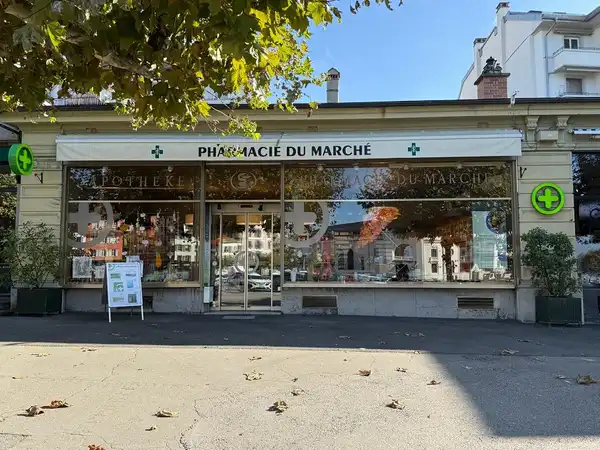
x,y
159,58
551,258
27,37
55,32
33,254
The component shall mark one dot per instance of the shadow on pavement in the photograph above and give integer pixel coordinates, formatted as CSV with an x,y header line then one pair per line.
x,y
516,395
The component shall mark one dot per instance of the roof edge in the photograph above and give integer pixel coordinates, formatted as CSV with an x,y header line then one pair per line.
x,y
370,104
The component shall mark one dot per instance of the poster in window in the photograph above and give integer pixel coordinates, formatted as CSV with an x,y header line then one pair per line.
x,y
82,267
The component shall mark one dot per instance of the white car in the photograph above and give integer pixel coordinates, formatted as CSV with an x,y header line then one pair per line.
x,y
258,283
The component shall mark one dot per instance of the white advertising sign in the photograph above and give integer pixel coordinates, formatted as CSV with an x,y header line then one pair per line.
x,y
124,286
289,147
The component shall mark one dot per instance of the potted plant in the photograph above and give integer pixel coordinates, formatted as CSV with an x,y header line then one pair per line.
x,y
32,253
551,257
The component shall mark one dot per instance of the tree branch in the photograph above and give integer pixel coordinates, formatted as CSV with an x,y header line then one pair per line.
x,y
73,37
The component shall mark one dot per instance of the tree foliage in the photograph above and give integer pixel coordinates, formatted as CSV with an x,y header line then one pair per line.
x,y
33,253
159,58
551,257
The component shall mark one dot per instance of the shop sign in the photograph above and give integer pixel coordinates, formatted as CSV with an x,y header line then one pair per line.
x,y
290,147
20,159
548,199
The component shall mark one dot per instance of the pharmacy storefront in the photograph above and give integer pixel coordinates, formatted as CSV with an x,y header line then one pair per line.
x,y
376,223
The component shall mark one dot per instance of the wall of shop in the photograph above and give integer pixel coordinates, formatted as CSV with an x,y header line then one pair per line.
x,y
542,161
542,164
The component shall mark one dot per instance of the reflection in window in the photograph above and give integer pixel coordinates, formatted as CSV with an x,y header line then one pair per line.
x,y
475,236
243,182
160,234
145,222
586,187
398,223
390,183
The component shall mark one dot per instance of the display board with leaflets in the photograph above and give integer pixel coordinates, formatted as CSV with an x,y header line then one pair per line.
x,y
123,286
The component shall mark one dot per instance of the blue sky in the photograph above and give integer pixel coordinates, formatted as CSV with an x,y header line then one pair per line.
x,y
419,51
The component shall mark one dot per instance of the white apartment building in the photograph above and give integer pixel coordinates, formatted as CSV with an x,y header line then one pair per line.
x,y
547,54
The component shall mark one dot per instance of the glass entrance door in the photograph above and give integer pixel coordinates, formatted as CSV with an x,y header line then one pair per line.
x,y
243,251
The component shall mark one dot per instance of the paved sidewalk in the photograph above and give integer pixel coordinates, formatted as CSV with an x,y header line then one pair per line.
x,y
195,366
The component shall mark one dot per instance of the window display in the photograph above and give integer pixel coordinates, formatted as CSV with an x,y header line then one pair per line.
x,y
113,215
438,224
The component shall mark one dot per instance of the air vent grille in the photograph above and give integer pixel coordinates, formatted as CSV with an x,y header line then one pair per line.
x,y
319,301
475,303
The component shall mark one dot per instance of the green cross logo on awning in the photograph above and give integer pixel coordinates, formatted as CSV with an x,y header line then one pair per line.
x,y
157,152
413,149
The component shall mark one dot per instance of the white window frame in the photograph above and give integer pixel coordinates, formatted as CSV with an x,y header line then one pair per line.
x,y
570,40
570,92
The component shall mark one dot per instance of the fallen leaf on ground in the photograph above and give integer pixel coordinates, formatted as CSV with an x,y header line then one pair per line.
x,y
345,337
55,404
586,379
40,355
34,410
95,447
166,413
253,376
434,383
294,379
255,358
151,428
508,352
395,404
401,369
279,406
364,372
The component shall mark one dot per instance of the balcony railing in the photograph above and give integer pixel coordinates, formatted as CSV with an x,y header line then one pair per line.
x,y
583,58
563,93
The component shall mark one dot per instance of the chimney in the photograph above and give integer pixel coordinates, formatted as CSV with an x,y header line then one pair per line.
x,y
477,44
333,86
492,83
501,10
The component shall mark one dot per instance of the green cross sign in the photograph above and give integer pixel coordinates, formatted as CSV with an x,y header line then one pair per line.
x,y
547,199
20,159
157,152
413,149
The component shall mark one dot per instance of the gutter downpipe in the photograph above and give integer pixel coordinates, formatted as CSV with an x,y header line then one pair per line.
x,y
546,57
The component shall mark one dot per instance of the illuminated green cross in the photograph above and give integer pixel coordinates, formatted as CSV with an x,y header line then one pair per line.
x,y
413,149
548,198
157,152
25,160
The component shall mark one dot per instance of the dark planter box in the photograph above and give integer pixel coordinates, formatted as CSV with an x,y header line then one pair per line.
x,y
558,310
39,301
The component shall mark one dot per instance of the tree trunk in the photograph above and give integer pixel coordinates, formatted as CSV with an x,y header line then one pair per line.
x,y
447,258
